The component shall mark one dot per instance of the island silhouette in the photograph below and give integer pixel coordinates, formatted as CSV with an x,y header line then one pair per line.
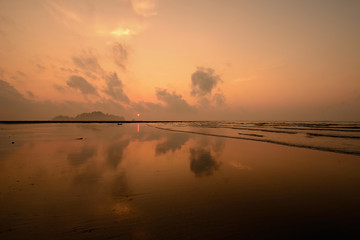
x,y
91,116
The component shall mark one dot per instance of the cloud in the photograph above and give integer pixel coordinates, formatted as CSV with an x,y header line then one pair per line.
x,y
62,14
30,94
10,98
6,24
87,62
219,99
120,54
115,88
14,106
143,106
145,8
203,81
59,88
78,82
40,67
6,20
173,101
22,74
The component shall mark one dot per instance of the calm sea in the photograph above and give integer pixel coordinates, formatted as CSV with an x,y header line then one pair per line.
x,y
185,180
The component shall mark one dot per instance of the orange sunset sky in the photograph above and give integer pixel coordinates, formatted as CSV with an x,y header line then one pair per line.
x,y
180,59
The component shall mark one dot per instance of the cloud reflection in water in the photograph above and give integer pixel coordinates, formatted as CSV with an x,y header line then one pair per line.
x,y
202,163
173,142
81,157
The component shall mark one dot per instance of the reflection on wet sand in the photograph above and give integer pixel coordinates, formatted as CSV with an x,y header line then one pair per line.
x,y
172,143
202,163
81,157
115,152
118,183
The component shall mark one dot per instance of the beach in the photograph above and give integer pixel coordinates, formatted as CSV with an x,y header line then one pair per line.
x,y
170,181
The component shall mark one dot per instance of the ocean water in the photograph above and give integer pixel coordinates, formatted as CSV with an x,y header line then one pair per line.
x,y
341,137
185,180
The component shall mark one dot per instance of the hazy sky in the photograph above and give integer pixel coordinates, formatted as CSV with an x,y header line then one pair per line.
x,y
181,59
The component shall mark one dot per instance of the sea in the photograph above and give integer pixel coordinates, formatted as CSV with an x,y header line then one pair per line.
x,y
180,180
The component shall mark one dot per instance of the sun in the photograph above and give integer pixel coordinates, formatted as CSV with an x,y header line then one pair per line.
x,y
138,114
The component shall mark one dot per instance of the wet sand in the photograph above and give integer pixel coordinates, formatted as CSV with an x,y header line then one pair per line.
x,y
105,181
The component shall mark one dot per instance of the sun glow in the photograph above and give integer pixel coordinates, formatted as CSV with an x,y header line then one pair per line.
x,y
122,32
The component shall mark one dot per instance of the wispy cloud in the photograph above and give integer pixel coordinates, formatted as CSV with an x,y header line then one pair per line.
x,y
119,54
145,8
62,14
87,61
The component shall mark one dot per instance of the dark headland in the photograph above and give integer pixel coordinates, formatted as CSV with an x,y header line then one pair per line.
x,y
92,117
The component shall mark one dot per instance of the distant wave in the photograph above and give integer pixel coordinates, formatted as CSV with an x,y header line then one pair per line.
x,y
329,135
354,129
264,130
322,141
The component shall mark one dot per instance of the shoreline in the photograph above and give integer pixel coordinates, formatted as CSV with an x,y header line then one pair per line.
x,y
50,121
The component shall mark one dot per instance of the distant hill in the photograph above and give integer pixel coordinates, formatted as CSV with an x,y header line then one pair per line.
x,y
93,116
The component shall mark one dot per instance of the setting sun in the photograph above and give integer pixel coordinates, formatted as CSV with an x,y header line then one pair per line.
x,y
173,119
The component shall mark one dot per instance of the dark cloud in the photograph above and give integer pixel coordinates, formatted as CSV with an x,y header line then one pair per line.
x,y
30,94
219,99
69,70
87,62
173,101
81,157
172,107
14,106
144,107
59,88
120,54
173,142
202,163
115,88
21,73
203,81
78,82
12,103
9,93
6,20
40,67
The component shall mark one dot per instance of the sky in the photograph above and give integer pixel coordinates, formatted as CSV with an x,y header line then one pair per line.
x,y
181,59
